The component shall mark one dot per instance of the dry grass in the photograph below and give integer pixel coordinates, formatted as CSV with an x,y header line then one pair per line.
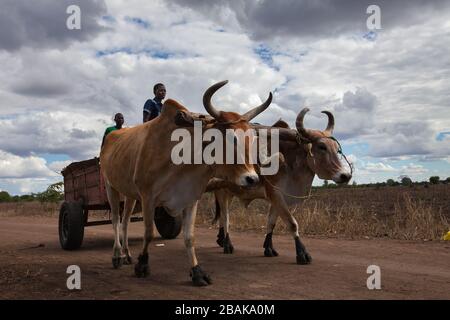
x,y
45,209
405,217
33,208
396,212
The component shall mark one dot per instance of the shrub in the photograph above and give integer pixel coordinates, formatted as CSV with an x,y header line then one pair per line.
x,y
5,196
434,180
406,181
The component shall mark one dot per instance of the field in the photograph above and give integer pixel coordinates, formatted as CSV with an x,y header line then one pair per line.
x,y
410,213
345,230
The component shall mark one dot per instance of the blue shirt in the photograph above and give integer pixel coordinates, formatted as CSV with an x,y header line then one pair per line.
x,y
153,107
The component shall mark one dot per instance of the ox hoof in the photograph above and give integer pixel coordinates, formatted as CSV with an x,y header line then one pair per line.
x,y
304,258
228,248
117,262
220,237
199,277
141,268
128,260
270,252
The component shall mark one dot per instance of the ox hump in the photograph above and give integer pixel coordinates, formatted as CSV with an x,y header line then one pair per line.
x,y
172,106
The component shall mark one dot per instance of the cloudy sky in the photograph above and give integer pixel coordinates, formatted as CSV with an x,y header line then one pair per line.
x,y
389,89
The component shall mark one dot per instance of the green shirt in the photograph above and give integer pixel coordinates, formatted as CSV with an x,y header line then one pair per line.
x,y
108,131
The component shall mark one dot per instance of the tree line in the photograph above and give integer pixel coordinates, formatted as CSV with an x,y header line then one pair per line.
x,y
54,193
405,181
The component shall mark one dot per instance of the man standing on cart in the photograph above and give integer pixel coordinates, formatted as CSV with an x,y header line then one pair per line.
x,y
152,107
118,118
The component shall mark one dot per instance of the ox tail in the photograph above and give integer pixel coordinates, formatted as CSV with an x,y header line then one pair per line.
x,y
217,213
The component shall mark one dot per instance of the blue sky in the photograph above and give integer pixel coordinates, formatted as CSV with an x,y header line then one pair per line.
x,y
388,89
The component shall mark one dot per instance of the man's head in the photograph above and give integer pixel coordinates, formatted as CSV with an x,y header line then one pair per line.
x,y
159,90
118,118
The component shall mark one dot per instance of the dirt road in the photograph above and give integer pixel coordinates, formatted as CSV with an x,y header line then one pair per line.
x,y
34,266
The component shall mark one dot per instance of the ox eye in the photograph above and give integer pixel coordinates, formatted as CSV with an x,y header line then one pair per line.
x,y
322,147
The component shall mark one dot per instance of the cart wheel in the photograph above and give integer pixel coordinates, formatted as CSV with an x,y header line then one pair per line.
x,y
71,225
168,226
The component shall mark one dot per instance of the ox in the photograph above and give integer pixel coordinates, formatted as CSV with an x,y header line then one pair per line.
x,y
136,163
306,153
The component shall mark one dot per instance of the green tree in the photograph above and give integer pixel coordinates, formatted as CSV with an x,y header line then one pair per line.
x,y
54,193
434,180
27,197
406,181
390,182
5,196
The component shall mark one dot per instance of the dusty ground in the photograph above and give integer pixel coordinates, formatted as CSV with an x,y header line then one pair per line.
x,y
34,266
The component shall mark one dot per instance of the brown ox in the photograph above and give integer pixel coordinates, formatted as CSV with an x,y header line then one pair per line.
x,y
306,153
137,164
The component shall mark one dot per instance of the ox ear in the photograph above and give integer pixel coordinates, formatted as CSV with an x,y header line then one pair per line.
x,y
184,119
281,124
266,161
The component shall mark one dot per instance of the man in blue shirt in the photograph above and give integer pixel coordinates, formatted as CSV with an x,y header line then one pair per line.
x,y
152,107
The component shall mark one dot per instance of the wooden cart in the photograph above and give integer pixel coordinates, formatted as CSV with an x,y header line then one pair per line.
x,y
84,190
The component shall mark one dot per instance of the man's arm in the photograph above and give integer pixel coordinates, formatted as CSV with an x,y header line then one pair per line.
x,y
147,110
153,112
104,136
146,116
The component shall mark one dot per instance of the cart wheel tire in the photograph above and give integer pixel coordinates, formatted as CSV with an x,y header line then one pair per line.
x,y
71,225
168,227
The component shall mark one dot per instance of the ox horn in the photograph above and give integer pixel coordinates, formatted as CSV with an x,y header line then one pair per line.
x,y
207,99
299,124
249,115
330,126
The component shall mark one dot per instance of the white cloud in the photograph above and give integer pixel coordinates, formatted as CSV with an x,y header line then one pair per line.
x,y
57,166
413,169
391,93
12,166
43,24
27,185
74,134
378,167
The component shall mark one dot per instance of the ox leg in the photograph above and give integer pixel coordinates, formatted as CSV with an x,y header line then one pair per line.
x,y
141,269
198,276
220,235
114,202
269,250
223,199
127,211
280,206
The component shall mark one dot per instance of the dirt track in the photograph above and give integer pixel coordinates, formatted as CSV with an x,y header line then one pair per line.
x,y
34,266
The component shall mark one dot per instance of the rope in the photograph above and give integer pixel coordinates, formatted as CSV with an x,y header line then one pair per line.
x,y
303,141
342,154
287,194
